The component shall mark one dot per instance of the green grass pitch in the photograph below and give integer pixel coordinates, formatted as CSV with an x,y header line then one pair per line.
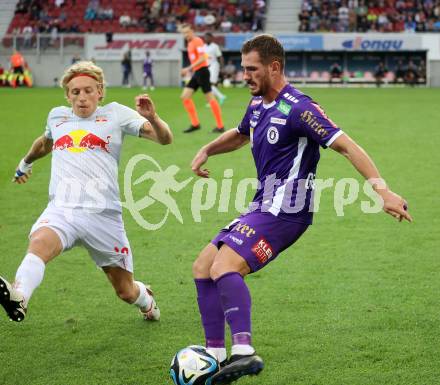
x,y
354,302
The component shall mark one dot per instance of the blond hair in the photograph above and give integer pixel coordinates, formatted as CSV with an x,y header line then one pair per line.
x,y
84,68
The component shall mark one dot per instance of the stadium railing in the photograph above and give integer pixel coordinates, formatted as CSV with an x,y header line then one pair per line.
x,y
39,43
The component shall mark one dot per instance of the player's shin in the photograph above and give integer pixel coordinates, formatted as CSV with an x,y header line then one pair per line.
x,y
217,92
215,107
29,276
213,319
236,304
192,112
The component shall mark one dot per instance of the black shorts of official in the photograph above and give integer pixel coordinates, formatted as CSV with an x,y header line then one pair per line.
x,y
18,70
200,79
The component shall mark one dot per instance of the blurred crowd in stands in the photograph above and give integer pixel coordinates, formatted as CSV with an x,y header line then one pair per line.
x,y
408,73
101,16
370,16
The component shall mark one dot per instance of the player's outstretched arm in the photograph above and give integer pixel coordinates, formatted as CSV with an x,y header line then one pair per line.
x,y
393,204
229,141
41,147
155,129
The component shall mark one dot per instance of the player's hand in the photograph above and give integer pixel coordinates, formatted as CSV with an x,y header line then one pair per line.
x,y
145,106
23,172
184,71
395,205
198,161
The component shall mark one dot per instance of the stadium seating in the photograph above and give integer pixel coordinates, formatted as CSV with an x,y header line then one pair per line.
x,y
362,16
145,15
370,16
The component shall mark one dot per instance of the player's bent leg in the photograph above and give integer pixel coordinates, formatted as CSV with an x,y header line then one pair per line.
x,y
228,270
133,292
210,307
123,283
44,245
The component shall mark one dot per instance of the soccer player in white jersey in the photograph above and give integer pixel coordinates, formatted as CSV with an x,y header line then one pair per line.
x,y
84,205
215,61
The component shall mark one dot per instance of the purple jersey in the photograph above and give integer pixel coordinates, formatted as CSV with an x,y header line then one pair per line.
x,y
285,136
148,65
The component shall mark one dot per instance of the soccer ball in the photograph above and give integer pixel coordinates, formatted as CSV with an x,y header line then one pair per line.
x,y
227,83
193,365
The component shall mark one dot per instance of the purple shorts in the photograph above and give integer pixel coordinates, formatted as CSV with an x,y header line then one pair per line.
x,y
259,237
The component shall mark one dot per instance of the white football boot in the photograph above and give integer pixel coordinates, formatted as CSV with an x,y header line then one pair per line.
x,y
152,313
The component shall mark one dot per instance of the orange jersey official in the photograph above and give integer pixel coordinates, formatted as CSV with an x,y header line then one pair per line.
x,y
17,60
196,49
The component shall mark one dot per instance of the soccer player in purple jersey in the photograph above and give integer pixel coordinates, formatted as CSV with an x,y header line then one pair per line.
x,y
148,71
285,129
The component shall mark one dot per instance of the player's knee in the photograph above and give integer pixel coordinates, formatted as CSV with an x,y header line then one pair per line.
x,y
200,268
39,243
43,247
196,268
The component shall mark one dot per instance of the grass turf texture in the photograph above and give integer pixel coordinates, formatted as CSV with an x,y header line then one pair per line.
x,y
354,302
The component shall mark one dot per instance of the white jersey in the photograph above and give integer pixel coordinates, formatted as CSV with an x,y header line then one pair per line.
x,y
213,52
85,155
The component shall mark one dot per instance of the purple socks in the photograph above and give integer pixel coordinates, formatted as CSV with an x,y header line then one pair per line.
x,y
228,297
236,303
211,311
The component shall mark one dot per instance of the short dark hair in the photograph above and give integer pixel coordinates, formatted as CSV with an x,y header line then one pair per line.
x,y
268,47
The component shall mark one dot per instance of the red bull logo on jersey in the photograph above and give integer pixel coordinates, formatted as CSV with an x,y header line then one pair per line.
x,y
80,141
262,250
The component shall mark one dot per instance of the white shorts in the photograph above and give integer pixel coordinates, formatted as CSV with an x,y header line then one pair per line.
x,y
214,70
102,234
